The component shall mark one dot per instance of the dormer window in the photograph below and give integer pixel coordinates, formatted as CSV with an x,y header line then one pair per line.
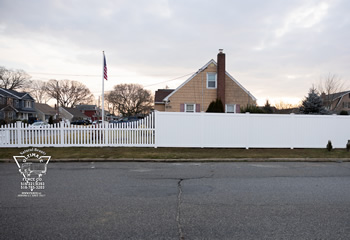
x,y
27,104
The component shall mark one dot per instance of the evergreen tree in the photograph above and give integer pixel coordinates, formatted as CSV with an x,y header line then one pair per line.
x,y
267,108
216,107
313,104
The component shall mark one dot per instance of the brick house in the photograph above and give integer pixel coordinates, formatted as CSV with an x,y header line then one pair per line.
x,y
209,83
92,111
16,105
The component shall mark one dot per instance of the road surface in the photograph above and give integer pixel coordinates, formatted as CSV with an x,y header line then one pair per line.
x,y
179,201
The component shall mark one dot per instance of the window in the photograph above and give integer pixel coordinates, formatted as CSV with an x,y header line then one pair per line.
x,y
190,108
211,80
346,104
230,108
27,104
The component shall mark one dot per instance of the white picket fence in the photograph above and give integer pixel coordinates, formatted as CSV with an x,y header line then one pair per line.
x,y
202,130
137,133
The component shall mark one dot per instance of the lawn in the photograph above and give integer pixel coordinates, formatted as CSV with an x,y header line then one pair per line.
x,y
109,153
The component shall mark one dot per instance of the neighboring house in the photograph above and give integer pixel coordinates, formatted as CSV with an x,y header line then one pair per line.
x,y
337,102
44,112
209,83
16,105
92,111
72,114
159,97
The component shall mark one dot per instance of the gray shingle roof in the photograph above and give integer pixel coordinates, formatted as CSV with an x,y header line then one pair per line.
x,y
161,94
46,109
75,112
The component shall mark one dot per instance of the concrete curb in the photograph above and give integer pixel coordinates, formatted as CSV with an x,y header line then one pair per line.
x,y
337,160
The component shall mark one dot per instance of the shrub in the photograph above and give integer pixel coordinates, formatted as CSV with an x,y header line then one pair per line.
x,y
348,146
343,112
329,146
50,120
251,109
3,122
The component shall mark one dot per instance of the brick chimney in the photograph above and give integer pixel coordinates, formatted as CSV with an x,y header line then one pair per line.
x,y
221,69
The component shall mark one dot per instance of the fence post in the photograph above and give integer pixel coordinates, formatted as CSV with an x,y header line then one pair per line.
x,y
247,115
155,128
106,131
202,129
293,132
19,133
62,133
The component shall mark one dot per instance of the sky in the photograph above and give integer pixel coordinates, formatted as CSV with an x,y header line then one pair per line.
x,y
275,49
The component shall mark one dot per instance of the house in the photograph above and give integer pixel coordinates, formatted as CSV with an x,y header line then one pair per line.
x,y
159,97
337,102
44,112
92,111
16,105
209,83
71,114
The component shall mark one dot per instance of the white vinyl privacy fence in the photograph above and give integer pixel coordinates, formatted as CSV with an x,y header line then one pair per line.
x,y
251,130
203,130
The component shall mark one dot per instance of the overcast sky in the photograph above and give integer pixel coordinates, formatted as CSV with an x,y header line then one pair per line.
x,y
276,49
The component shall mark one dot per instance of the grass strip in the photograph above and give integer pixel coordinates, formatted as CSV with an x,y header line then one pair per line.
x,y
176,153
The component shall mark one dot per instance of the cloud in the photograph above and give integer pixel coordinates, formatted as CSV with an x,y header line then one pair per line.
x,y
303,17
156,40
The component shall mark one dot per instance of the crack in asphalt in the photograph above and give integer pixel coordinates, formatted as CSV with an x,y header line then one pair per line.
x,y
178,216
179,201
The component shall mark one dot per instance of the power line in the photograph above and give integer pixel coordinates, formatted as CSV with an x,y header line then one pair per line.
x,y
66,74
89,75
82,75
170,80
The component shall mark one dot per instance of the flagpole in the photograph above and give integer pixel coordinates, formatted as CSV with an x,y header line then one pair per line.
x,y
103,87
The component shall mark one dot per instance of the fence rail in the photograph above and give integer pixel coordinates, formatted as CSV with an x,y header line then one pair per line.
x,y
205,130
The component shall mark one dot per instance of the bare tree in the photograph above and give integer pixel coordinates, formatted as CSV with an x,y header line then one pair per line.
x,y
13,79
69,93
38,91
328,87
111,107
130,99
281,105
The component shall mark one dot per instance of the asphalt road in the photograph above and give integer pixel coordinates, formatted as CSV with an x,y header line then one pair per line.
x,y
179,201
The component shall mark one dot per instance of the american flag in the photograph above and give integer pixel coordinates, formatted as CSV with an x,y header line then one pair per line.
x,y
104,67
